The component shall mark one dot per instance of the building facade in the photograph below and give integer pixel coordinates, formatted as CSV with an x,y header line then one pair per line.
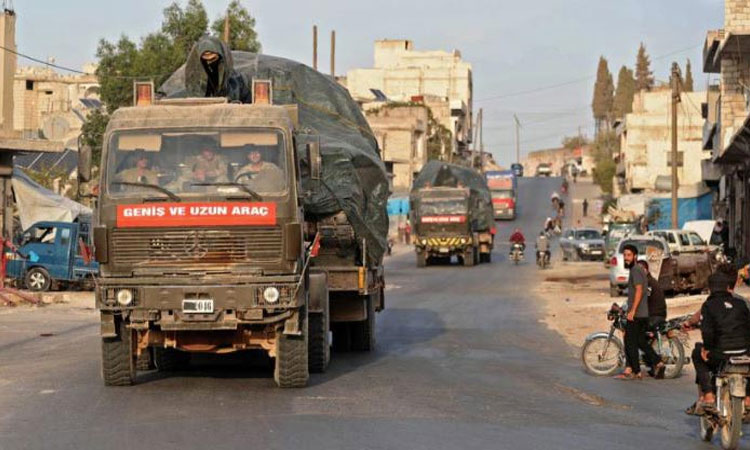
x,y
646,143
401,131
727,128
51,105
401,73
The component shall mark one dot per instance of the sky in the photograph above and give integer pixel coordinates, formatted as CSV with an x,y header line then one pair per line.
x,y
514,46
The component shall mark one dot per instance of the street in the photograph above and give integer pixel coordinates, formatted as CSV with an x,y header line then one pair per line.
x,y
462,361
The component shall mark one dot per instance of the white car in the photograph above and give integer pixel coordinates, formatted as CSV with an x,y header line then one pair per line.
x,y
618,274
682,241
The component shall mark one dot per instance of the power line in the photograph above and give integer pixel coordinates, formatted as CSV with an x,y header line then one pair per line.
x,y
574,81
68,69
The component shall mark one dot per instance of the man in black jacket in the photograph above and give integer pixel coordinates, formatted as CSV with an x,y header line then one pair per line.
x,y
725,328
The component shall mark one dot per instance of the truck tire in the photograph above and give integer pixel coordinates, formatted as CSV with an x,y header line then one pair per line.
x,y
318,346
470,257
38,279
118,358
485,257
363,332
291,367
170,359
422,259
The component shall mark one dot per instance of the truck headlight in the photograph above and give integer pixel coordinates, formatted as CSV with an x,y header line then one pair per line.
x,y
463,240
124,297
271,295
423,242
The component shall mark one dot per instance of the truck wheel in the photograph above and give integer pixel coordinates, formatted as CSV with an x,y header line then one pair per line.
x,y
170,359
291,367
470,257
363,333
118,358
421,259
38,279
485,257
318,347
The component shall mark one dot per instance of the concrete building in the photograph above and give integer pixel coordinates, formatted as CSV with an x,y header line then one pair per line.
x,y
645,141
727,130
400,73
401,131
51,105
558,158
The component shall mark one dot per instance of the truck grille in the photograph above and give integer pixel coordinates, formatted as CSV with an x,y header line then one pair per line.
x,y
219,245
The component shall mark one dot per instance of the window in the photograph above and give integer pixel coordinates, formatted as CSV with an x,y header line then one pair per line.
x,y
65,237
695,239
41,235
684,239
29,85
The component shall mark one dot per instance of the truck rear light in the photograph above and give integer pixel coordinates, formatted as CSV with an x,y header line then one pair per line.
x,y
613,261
622,278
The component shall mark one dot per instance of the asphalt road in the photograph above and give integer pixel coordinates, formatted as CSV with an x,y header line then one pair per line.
x,y
461,363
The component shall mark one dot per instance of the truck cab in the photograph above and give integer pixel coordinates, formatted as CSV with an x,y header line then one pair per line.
x,y
502,185
51,254
200,238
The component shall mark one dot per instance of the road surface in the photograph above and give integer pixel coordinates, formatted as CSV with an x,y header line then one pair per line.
x,y
461,363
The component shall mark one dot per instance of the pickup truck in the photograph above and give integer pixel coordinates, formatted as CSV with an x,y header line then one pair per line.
x,y
692,256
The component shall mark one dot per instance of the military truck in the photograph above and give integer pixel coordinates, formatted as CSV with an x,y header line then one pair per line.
x,y
451,213
243,227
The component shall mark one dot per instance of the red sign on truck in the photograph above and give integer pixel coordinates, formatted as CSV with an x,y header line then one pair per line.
x,y
444,219
197,214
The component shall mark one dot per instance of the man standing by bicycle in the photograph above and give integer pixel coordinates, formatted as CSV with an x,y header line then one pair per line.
x,y
637,322
725,329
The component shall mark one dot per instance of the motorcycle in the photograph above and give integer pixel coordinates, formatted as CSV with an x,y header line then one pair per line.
x,y
603,353
516,253
542,259
731,380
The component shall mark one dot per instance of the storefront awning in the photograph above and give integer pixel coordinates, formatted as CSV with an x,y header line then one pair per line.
x,y
738,149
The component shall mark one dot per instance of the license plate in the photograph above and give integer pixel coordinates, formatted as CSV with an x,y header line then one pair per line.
x,y
201,306
596,252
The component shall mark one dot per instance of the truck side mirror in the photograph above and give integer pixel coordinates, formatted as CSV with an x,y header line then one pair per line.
x,y
314,159
84,163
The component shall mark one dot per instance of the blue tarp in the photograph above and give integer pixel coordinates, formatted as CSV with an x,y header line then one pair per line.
x,y
694,208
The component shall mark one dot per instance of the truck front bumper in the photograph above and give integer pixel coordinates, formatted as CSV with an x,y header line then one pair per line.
x,y
444,246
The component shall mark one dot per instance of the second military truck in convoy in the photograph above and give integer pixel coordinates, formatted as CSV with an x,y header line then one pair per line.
x,y
250,220
451,213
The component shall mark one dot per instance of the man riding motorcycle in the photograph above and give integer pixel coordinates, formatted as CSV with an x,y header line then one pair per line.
x,y
542,247
517,238
725,329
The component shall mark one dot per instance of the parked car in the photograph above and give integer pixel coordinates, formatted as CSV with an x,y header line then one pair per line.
x,y
582,244
517,169
616,232
618,274
544,170
682,241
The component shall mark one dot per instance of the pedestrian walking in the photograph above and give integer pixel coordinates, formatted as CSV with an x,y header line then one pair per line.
x,y
585,207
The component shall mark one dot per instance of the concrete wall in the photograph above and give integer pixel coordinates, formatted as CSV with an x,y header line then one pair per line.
x,y
401,132
647,143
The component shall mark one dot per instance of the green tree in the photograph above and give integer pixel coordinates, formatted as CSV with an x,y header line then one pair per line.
x,y
644,78
184,26
574,142
92,132
687,84
623,102
242,35
604,88
604,147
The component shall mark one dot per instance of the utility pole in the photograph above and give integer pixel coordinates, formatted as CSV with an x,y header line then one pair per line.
x,y
675,182
315,47
518,139
333,54
481,142
226,28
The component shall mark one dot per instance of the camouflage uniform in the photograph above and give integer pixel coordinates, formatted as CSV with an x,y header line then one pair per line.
x,y
134,175
216,169
267,178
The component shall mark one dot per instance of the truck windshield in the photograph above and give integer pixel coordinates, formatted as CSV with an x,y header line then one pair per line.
x,y
443,206
588,234
502,194
642,245
226,161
